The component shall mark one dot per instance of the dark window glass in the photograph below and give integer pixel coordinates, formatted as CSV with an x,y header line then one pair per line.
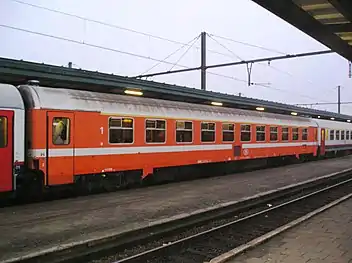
x,y
332,135
284,135
3,132
342,135
274,134
120,130
61,131
150,124
228,132
245,132
260,133
155,131
337,135
305,134
184,131
208,132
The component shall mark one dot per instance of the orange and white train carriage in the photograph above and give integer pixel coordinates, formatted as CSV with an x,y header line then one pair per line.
x,y
75,136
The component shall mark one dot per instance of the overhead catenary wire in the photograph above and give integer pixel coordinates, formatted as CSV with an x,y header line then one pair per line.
x,y
253,83
323,102
171,54
90,45
111,25
292,75
129,53
130,30
186,51
143,33
264,86
226,76
248,44
229,50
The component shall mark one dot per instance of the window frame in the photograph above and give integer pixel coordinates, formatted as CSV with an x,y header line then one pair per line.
x,y
6,134
201,131
348,133
233,131
262,132
343,135
277,133
337,132
184,130
250,132
332,132
288,133
67,131
145,130
133,130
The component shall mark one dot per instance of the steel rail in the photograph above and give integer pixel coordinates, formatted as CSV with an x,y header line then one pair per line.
x,y
164,248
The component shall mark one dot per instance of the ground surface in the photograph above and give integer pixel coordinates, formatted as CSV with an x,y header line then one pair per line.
x,y
31,228
326,237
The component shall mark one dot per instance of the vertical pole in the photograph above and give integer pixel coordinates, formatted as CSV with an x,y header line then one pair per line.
x,y
203,79
339,99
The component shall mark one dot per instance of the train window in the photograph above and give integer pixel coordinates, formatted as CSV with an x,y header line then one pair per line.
x,y
332,135
3,132
155,131
337,135
61,131
208,132
284,135
295,134
347,135
245,132
228,132
342,135
260,133
273,134
184,131
120,130
304,134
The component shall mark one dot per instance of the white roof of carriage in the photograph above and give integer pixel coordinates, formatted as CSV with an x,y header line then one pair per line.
x,y
106,103
334,124
10,98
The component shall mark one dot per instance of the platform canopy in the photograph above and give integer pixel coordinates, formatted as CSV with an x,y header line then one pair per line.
x,y
327,21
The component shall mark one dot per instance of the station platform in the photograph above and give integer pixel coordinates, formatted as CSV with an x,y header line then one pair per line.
x,y
47,226
327,237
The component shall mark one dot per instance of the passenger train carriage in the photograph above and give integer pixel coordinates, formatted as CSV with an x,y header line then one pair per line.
x,y
51,137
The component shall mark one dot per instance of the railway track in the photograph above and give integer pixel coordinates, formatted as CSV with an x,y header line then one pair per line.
x,y
212,235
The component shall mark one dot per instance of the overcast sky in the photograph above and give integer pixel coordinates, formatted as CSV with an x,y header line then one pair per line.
x,y
304,80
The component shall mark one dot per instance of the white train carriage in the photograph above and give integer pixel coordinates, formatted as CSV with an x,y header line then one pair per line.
x,y
338,135
12,132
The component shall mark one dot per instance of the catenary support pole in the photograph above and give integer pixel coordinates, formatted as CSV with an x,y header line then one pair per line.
x,y
203,63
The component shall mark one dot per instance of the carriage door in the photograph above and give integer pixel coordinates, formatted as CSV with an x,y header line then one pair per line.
x,y
60,144
6,150
322,141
